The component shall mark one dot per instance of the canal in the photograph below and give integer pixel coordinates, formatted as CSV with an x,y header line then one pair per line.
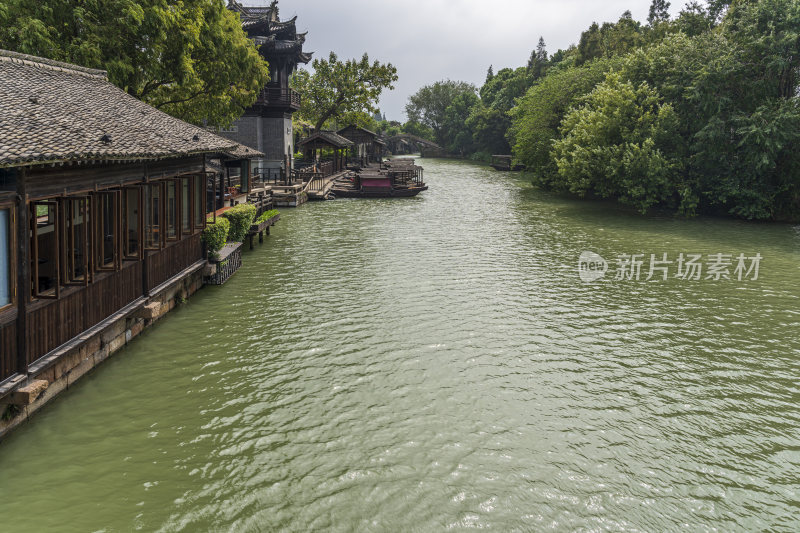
x,y
436,363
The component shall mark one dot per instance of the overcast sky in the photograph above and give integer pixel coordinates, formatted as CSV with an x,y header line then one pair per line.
x,y
431,40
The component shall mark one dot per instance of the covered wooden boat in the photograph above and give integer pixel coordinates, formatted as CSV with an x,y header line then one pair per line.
x,y
395,178
374,186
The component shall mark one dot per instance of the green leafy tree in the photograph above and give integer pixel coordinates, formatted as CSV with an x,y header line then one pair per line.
x,y
415,128
563,58
429,104
590,45
537,64
735,91
659,12
717,8
456,132
420,130
344,90
504,89
610,39
618,145
489,127
190,59
536,118
694,19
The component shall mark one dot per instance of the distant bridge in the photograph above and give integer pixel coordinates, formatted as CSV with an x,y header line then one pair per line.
x,y
406,143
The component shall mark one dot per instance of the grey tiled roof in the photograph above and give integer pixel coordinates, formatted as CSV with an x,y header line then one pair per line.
x,y
52,112
357,128
244,152
324,137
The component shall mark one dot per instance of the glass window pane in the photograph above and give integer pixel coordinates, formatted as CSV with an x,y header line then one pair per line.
x,y
152,216
108,215
131,205
172,210
77,247
199,201
45,246
186,220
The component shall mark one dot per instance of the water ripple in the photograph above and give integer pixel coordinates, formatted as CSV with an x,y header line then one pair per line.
x,y
434,364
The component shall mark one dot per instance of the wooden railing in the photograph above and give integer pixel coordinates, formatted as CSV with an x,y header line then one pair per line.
x,y
314,179
266,175
279,97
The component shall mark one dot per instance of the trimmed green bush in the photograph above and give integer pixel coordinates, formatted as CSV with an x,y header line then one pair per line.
x,y
241,218
266,215
215,235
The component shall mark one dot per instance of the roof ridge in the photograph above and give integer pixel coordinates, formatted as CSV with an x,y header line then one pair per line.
x,y
8,55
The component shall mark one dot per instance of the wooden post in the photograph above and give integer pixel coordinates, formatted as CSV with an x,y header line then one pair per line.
x,y
261,236
221,202
23,272
145,274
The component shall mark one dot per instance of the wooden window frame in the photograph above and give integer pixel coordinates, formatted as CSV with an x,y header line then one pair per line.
x,y
159,227
175,182
199,213
35,251
189,181
67,241
12,207
98,235
140,237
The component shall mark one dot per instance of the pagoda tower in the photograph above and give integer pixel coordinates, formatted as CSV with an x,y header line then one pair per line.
x,y
267,125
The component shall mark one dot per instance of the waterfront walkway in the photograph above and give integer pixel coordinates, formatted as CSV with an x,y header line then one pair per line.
x,y
319,188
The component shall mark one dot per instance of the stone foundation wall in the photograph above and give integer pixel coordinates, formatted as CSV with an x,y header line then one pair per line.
x,y
80,360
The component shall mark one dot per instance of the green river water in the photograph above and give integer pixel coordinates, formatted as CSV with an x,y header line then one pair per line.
x,y
437,363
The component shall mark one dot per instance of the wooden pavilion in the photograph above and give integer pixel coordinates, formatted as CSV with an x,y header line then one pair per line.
x,y
321,140
367,146
102,203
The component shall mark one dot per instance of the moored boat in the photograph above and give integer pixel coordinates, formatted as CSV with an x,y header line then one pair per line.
x,y
395,178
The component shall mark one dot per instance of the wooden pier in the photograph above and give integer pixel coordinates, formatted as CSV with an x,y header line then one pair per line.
x,y
319,188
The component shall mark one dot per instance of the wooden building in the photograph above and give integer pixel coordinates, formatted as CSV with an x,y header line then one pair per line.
x,y
314,144
267,125
102,203
367,146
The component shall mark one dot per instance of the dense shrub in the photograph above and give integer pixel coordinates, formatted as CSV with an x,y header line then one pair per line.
x,y
215,235
539,113
617,145
241,218
266,215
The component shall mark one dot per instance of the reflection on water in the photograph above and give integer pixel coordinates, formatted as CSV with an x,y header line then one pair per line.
x,y
436,362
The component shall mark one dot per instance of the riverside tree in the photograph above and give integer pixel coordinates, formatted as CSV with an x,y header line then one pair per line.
x,y
190,59
344,90
706,118
538,115
618,144
428,105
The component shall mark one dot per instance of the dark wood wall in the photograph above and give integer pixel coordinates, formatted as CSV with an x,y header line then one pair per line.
x,y
8,347
171,260
54,181
49,323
